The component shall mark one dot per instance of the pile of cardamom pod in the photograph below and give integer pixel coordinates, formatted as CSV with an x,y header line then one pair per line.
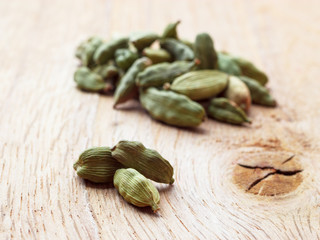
x,y
127,165
169,75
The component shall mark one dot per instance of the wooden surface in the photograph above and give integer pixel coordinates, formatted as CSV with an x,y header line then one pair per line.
x,y
45,123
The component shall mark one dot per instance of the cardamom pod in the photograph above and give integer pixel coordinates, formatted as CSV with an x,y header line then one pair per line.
x,y
177,49
225,110
201,84
125,58
158,74
250,70
157,55
172,108
188,43
142,40
227,64
136,189
238,92
127,88
259,94
97,165
205,52
106,51
87,49
90,81
146,161
106,71
171,30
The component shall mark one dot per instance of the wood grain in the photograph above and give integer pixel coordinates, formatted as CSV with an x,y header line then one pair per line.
x,y
45,123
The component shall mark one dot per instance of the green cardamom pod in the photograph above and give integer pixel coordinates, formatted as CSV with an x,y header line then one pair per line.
x,y
136,189
127,88
97,165
172,108
106,71
125,58
87,49
90,81
259,94
171,30
177,49
205,52
161,73
142,40
225,110
201,84
106,51
146,161
157,55
188,43
227,64
238,92
250,70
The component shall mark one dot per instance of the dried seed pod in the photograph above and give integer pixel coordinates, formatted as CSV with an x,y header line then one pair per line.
x,y
227,64
157,55
136,189
106,51
146,161
106,71
158,74
250,70
177,49
125,58
201,84
205,52
90,81
239,93
225,110
87,49
142,40
188,43
172,108
259,94
127,88
97,165
171,30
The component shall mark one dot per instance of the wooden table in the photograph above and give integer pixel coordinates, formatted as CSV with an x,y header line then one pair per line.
x,y
45,123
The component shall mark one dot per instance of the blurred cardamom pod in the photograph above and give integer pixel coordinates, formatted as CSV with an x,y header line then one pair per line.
x,y
86,50
157,55
227,111
142,40
106,71
227,64
172,108
125,58
238,92
136,189
204,51
146,161
97,165
177,49
259,94
171,30
201,84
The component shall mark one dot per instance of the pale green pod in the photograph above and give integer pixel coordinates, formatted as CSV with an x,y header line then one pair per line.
x,y
136,189
90,81
201,84
250,70
157,55
146,161
238,92
227,111
106,51
172,108
127,88
125,58
161,73
177,49
171,30
97,165
204,51
87,49
188,43
227,64
259,94
106,71
142,40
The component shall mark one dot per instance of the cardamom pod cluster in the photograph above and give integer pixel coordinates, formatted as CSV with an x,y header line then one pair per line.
x,y
128,164
168,74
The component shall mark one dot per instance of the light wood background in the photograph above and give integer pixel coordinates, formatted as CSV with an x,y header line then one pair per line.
x,y
45,123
